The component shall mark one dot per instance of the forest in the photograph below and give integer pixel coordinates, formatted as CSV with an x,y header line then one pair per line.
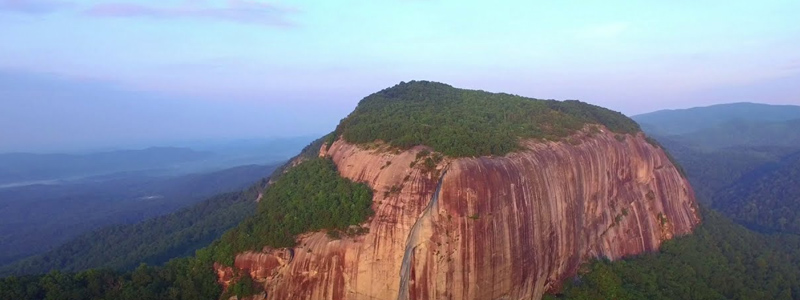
x,y
459,122
720,260
309,197
743,162
154,241
756,258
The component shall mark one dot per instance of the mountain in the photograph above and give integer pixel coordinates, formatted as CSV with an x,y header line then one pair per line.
x,y
156,240
429,191
469,189
21,169
153,241
720,260
25,167
682,121
767,198
36,218
744,165
747,169
742,133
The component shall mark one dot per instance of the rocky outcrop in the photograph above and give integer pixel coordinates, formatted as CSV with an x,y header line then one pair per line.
x,y
511,227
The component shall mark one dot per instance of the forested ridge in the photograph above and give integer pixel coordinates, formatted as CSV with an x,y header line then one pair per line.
x,y
37,219
745,168
307,197
720,260
460,122
154,241
767,198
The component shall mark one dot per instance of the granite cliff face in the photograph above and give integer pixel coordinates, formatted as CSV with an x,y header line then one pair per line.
x,y
511,227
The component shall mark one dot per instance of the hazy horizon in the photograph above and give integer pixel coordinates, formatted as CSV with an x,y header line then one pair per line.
x,y
95,74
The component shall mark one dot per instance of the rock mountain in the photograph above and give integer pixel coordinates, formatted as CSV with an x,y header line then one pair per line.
x,y
542,187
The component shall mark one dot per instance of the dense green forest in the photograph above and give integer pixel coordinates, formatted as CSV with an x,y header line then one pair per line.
x,y
713,171
459,122
154,241
179,279
720,260
767,198
746,166
157,240
308,197
746,177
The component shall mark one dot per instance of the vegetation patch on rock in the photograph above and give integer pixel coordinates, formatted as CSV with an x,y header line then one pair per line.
x,y
308,197
463,123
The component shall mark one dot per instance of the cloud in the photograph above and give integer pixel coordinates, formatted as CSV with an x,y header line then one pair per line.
x,y
238,11
33,6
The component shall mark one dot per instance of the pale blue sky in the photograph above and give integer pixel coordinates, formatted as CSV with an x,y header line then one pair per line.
x,y
150,71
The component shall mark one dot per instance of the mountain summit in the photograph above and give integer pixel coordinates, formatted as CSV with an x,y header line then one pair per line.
x,y
469,195
460,122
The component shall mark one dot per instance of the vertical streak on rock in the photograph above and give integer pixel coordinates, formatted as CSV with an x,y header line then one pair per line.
x,y
411,241
510,227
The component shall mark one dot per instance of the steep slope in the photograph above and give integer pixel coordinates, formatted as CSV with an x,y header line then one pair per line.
x,y
513,225
766,199
745,165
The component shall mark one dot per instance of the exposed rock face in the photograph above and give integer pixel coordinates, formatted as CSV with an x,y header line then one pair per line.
x,y
508,227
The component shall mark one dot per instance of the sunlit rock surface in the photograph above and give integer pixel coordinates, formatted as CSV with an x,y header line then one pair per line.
x,y
511,227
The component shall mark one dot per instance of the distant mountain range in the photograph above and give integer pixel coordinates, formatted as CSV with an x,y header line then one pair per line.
x,y
683,121
743,159
20,167
31,168
36,218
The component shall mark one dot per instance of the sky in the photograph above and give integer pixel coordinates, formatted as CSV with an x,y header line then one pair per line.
x,y
82,74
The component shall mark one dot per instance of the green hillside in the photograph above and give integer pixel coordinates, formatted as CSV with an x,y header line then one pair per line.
x,y
767,198
459,122
742,133
154,241
720,260
682,121
743,160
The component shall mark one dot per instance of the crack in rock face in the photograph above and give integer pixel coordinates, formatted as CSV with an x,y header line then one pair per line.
x,y
413,238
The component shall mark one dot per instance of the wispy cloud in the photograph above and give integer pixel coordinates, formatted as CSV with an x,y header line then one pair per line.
x,y
239,11
33,6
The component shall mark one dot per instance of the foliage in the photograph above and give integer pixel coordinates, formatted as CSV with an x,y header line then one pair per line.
x,y
721,260
308,197
458,122
39,218
185,279
242,287
153,241
767,198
